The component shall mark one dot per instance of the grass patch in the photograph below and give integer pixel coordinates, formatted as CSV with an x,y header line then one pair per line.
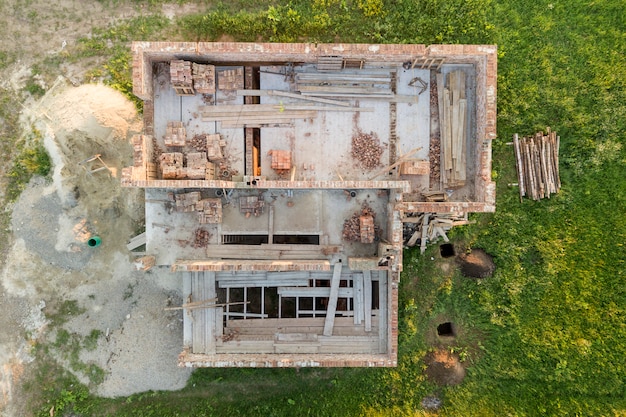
x,y
31,159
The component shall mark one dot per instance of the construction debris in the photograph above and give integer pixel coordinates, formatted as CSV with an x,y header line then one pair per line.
x,y
201,238
537,163
428,227
363,219
366,149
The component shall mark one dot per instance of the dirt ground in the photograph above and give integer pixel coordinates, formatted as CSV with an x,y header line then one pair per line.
x,y
49,261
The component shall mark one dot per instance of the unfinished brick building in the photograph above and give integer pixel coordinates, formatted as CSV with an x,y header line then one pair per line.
x,y
282,182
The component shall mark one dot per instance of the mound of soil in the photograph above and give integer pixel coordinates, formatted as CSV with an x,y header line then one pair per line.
x,y
476,264
444,368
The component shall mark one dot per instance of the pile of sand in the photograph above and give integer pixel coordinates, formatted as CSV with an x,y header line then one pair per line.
x,y
50,261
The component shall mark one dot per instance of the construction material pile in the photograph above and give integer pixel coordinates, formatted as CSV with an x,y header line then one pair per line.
x,y
352,226
181,77
537,163
201,238
453,121
203,78
428,227
366,149
175,134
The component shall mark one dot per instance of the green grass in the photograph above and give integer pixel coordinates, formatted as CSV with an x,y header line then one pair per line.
x,y
545,335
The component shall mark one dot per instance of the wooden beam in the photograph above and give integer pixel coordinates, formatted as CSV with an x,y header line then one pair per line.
x,y
367,299
329,322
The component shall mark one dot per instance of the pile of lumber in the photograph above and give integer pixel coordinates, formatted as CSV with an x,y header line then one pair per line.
x,y
281,160
537,163
203,78
175,134
171,164
430,226
345,84
181,77
231,79
366,149
209,211
234,116
453,131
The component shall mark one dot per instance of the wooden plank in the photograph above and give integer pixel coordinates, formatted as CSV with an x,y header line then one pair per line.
x,y
279,93
332,300
357,300
137,241
519,166
343,292
383,303
367,299
413,239
341,90
296,282
187,319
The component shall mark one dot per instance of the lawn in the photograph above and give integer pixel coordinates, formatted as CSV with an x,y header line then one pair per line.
x,y
545,335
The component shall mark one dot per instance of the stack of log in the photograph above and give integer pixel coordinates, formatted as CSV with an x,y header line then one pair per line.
x,y
452,127
352,226
175,134
181,77
537,163
171,164
430,226
203,78
366,149
209,210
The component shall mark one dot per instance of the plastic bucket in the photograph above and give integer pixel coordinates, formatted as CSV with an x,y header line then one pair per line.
x,y
94,241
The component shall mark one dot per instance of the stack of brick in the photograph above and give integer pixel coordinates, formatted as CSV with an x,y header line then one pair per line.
x,y
230,80
209,210
415,167
281,161
181,77
214,145
196,165
187,202
251,205
203,78
175,134
171,164
366,223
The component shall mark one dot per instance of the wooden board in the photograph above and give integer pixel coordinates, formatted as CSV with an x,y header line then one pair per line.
x,y
332,300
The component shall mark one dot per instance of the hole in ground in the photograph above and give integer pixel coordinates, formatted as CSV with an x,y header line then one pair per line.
x,y
446,250
445,329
